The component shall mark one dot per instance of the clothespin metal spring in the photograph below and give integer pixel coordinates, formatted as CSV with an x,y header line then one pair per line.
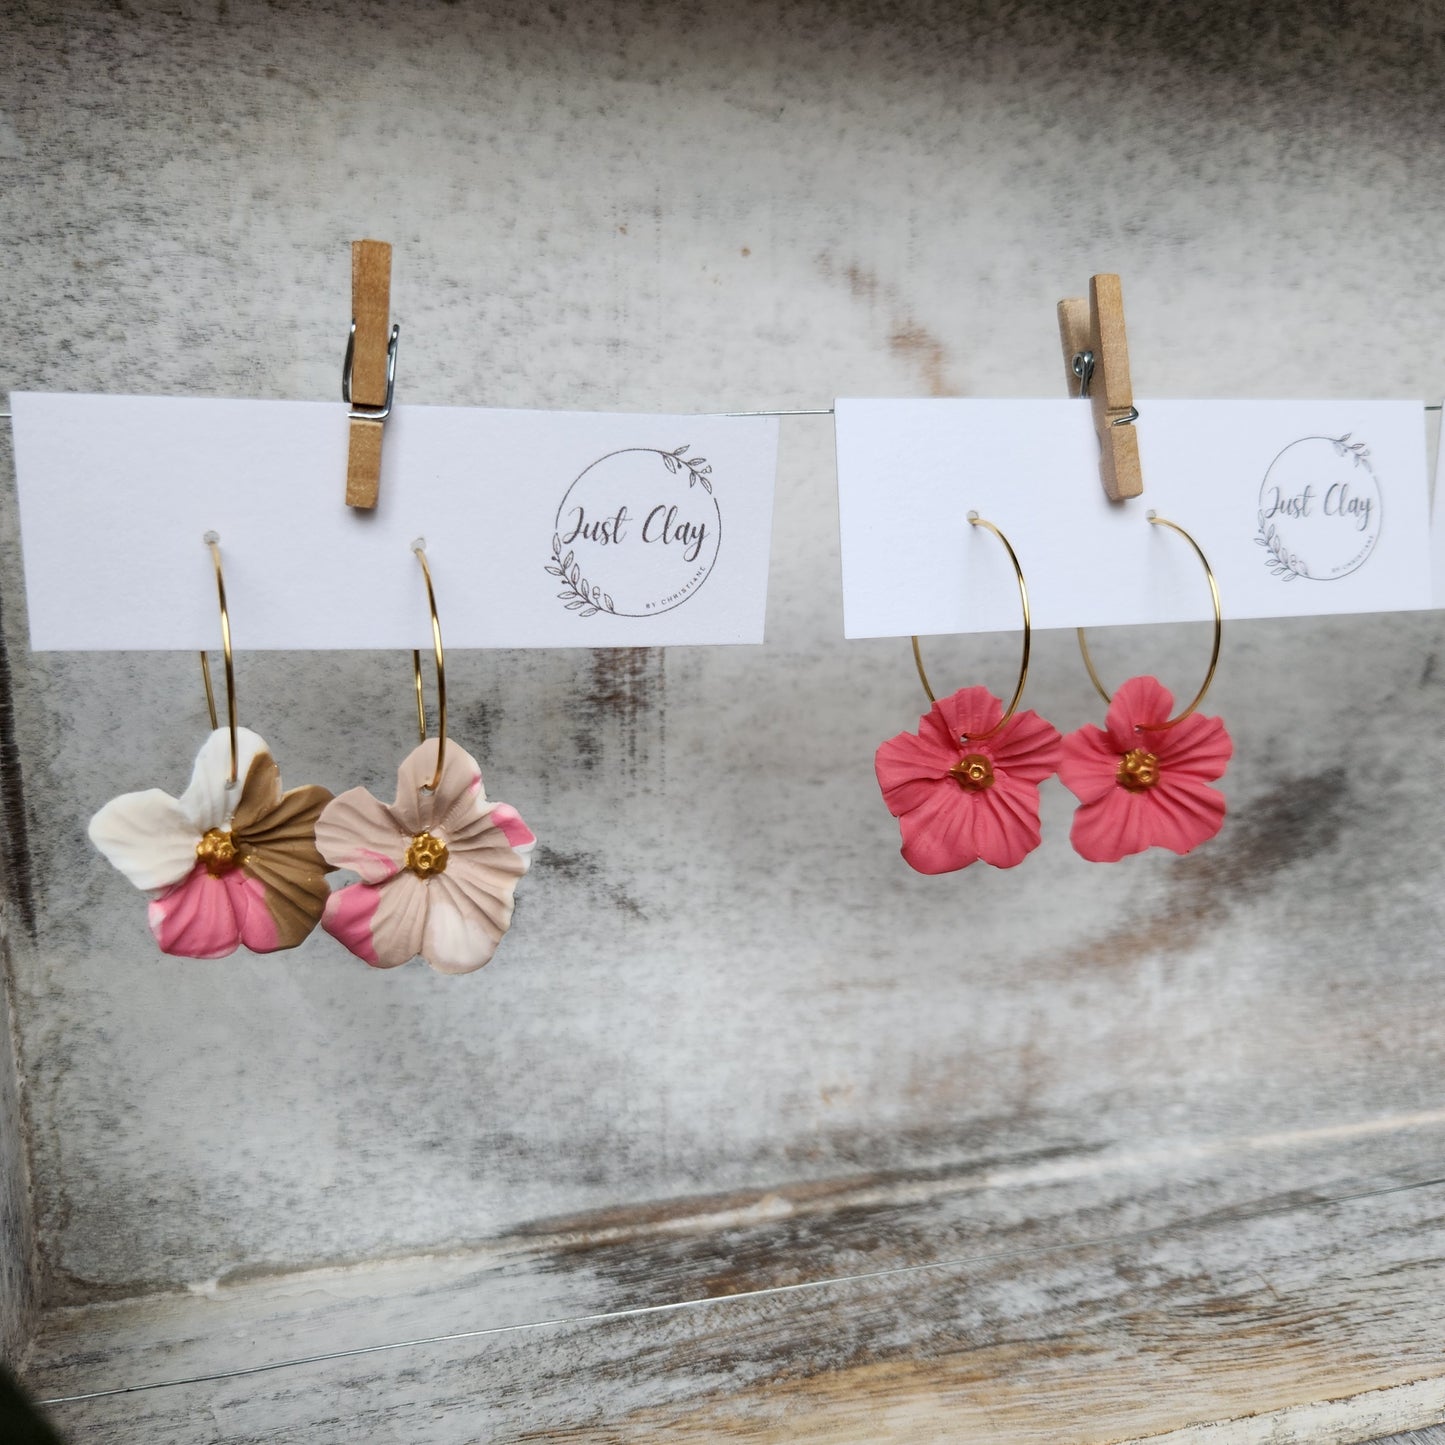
x,y
1083,365
369,413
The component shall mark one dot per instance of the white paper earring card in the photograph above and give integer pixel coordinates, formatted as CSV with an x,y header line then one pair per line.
x,y
543,529
1303,508
1437,526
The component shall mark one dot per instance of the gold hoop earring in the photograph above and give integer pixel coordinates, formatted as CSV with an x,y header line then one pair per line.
x,y
419,547
976,521
1159,521
233,860
214,543
965,787
1143,782
438,867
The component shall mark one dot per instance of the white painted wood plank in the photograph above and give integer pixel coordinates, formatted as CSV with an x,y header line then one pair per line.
x,y
715,1246
20,1283
1251,1321
19,1267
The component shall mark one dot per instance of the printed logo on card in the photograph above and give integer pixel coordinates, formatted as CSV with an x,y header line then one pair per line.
x,y
636,534
1319,509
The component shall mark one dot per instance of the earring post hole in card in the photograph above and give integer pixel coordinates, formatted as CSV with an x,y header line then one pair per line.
x,y
1303,508
543,529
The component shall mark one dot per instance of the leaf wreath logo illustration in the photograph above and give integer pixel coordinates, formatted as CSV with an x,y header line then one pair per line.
x,y
1280,560
580,595
1315,519
698,470
630,539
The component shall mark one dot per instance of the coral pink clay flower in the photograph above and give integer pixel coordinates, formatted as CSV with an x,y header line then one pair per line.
x,y
438,869
1141,786
960,801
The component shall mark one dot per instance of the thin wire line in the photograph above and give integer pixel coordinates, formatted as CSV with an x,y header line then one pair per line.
x,y
676,1306
798,411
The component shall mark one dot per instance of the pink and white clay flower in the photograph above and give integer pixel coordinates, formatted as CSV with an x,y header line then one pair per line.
x,y
226,863
438,869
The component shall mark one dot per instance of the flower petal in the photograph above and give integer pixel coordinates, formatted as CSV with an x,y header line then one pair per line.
x,y
1089,763
348,918
1199,748
276,836
398,922
1186,814
462,932
518,835
1008,828
1026,748
196,918
260,931
933,732
1111,827
496,826
359,832
1177,816
969,712
955,827
1137,704
293,880
938,833
147,836
910,766
486,880
210,800
460,788
267,815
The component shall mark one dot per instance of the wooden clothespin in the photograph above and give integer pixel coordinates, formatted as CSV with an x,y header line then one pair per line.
x,y
368,375
1096,358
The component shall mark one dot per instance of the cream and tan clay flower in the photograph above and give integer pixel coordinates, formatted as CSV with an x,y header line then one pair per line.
x,y
229,863
438,869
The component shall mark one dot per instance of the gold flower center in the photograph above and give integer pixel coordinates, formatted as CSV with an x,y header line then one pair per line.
x,y
1138,770
218,851
426,855
973,772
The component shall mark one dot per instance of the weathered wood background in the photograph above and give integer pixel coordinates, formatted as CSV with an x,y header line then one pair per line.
x,y
1168,1133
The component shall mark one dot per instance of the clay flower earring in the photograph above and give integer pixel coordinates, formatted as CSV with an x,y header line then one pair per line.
x,y
438,866
232,860
1143,780
965,787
